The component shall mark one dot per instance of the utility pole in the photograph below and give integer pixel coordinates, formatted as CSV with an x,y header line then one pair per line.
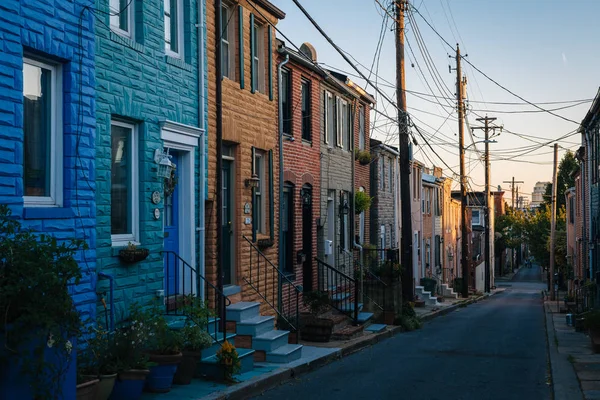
x,y
553,222
460,85
406,245
512,190
488,264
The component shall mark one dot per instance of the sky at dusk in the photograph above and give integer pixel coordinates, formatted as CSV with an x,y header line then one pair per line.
x,y
542,50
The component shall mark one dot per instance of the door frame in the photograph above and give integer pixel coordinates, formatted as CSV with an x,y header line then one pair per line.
x,y
232,194
184,139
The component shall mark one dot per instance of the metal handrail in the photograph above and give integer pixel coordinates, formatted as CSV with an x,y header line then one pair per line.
x,y
335,282
293,320
221,301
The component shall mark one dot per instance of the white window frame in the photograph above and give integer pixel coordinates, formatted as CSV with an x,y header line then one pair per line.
x,y
121,240
229,72
259,170
341,105
258,58
180,33
329,119
473,221
362,136
130,18
56,139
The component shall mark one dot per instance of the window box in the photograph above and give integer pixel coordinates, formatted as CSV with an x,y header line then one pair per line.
x,y
133,255
264,243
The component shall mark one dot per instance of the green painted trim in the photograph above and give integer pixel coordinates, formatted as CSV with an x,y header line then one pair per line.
x,y
270,35
271,198
253,198
241,47
252,51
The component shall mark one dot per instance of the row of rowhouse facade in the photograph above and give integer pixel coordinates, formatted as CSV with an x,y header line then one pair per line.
x,y
108,125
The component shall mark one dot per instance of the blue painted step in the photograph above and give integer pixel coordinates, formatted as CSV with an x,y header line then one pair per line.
x,y
243,310
364,317
340,296
270,341
285,354
376,328
212,350
255,326
348,308
210,367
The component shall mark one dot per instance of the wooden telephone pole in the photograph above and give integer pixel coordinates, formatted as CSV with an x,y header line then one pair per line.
x,y
460,86
406,199
488,263
512,190
553,223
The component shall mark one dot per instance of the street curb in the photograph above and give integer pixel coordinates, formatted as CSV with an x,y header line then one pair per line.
x,y
565,384
259,384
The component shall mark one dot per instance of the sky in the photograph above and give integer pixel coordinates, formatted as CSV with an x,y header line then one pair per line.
x,y
541,50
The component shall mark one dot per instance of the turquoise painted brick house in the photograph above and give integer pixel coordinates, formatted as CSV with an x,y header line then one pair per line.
x,y
150,69
47,125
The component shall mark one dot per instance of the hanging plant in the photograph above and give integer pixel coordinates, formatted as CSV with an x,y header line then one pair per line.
x,y
362,202
364,157
171,182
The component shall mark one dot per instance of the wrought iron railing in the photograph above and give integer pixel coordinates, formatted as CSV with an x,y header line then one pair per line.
x,y
586,298
342,289
380,269
183,283
265,278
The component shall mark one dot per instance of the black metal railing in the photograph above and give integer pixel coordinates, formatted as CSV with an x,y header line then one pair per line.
x,y
380,269
586,298
342,289
265,278
184,284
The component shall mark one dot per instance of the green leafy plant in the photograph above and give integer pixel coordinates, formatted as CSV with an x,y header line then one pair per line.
x,y
161,338
592,320
36,272
317,301
363,157
228,357
194,333
97,354
131,341
362,202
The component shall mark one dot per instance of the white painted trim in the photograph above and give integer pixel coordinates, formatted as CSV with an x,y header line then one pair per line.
x,y
56,141
130,21
180,33
184,139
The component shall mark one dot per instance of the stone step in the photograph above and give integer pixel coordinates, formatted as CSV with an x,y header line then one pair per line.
x,y
376,328
285,354
340,296
363,317
348,332
243,310
270,341
209,366
255,326
349,308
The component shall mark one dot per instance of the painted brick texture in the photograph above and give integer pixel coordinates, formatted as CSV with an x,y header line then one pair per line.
x,y
138,83
249,120
383,203
54,32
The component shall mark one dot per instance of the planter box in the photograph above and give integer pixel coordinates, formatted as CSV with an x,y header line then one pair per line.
x,y
132,256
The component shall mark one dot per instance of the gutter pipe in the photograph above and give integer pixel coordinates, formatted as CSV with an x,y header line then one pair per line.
x,y
111,281
280,106
202,149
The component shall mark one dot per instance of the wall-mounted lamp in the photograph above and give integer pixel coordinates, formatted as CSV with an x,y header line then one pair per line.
x,y
252,182
344,208
165,166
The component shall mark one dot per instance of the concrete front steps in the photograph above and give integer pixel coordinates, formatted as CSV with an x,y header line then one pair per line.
x,y
342,317
447,291
430,299
258,334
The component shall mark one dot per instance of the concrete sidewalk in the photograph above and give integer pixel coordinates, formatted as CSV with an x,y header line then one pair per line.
x,y
575,367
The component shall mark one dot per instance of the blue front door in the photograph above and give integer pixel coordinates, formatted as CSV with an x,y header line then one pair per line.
x,y
171,231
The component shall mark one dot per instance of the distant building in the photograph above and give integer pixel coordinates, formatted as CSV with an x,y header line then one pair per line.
x,y
537,197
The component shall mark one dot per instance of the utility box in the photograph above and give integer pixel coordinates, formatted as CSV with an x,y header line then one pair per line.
x,y
328,247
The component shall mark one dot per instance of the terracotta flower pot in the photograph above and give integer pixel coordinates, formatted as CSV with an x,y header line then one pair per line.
x,y
187,368
87,390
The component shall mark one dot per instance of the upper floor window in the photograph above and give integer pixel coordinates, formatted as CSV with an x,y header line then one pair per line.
x,y
124,205
475,218
174,27
329,106
361,128
286,101
121,17
343,124
427,201
227,42
42,131
381,173
391,175
306,128
257,57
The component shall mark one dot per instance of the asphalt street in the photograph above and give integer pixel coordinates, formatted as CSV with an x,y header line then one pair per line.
x,y
494,349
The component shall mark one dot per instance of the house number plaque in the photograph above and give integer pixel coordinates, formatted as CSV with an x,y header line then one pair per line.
x,y
247,208
155,197
156,213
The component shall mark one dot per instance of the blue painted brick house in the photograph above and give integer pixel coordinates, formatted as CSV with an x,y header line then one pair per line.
x,y
147,82
47,124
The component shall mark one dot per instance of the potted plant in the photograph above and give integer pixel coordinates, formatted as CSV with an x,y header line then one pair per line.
x,y
164,349
228,358
86,388
195,338
362,202
313,327
39,323
364,157
130,344
132,254
98,360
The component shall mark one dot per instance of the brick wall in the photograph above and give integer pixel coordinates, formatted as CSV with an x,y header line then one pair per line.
x,y
138,83
249,120
49,31
302,163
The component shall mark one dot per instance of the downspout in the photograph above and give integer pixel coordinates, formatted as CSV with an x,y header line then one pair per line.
x,y
352,208
221,309
280,106
202,149
589,216
583,228
111,281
